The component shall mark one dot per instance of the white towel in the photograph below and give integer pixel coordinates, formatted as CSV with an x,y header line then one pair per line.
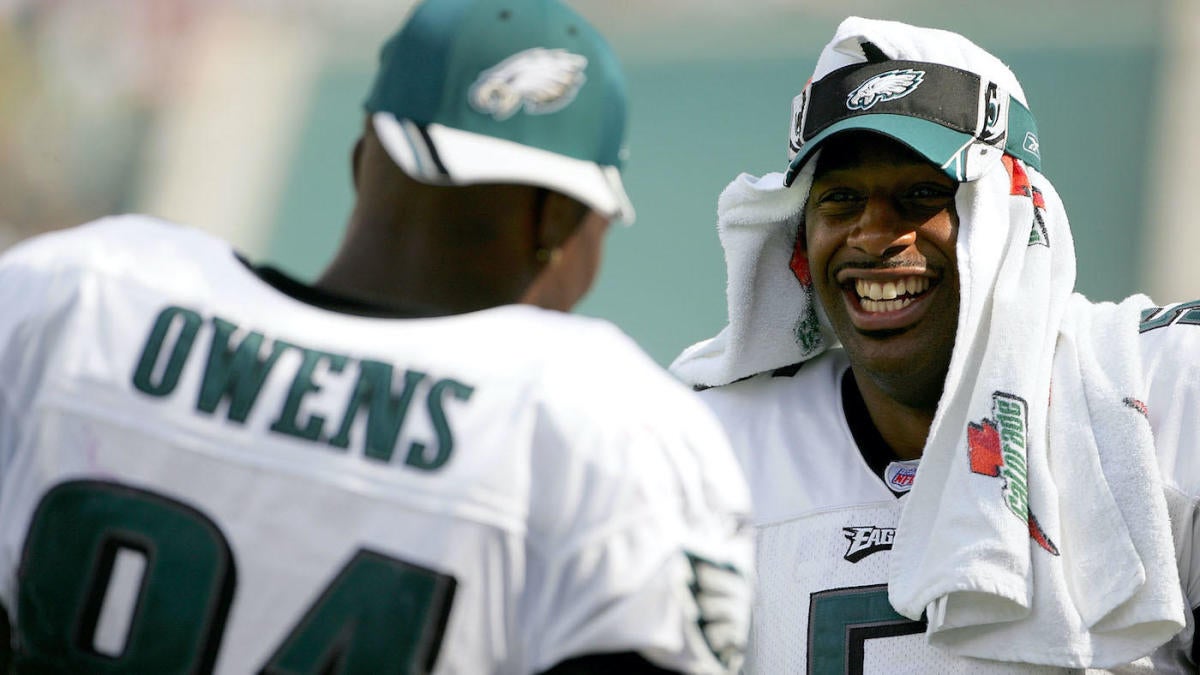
x,y
1037,516
1036,529
772,319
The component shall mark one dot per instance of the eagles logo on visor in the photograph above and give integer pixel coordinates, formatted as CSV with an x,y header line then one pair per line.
x,y
953,117
887,86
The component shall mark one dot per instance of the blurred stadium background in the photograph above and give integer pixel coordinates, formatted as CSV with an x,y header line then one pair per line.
x,y
238,116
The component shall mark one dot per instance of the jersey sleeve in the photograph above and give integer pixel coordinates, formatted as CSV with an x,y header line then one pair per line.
x,y
43,280
1170,342
47,281
27,282
36,291
641,544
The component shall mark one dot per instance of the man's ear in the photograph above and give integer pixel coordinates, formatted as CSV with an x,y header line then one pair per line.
x,y
799,261
557,217
355,160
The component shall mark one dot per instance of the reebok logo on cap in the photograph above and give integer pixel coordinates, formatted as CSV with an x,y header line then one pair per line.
x,y
540,80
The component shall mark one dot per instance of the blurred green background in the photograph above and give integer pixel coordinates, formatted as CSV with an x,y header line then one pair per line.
x,y
711,85
698,120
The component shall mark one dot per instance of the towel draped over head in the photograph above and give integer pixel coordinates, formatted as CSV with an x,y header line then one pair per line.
x,y
1036,529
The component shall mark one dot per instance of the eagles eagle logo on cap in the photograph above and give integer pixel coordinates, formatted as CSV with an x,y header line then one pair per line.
x,y
887,86
540,80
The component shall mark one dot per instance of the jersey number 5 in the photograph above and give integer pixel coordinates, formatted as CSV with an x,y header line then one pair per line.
x,y
840,622
378,615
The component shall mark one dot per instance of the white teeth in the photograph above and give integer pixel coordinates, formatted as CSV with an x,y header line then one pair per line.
x,y
889,291
885,305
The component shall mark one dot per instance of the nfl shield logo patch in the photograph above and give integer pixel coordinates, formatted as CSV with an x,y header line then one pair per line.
x,y
899,475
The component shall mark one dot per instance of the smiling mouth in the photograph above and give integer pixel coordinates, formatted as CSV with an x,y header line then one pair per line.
x,y
889,296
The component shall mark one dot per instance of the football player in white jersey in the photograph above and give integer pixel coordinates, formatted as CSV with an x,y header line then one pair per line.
x,y
418,463
901,310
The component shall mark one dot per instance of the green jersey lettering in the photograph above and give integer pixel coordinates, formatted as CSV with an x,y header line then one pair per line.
x,y
437,414
303,384
143,376
386,409
235,374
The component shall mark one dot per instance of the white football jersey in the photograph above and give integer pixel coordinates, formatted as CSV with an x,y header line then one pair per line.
x,y
825,520
200,473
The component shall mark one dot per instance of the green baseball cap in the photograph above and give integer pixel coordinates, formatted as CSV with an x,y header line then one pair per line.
x,y
504,91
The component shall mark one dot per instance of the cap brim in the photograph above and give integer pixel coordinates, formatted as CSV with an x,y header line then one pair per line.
x,y
443,155
952,151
